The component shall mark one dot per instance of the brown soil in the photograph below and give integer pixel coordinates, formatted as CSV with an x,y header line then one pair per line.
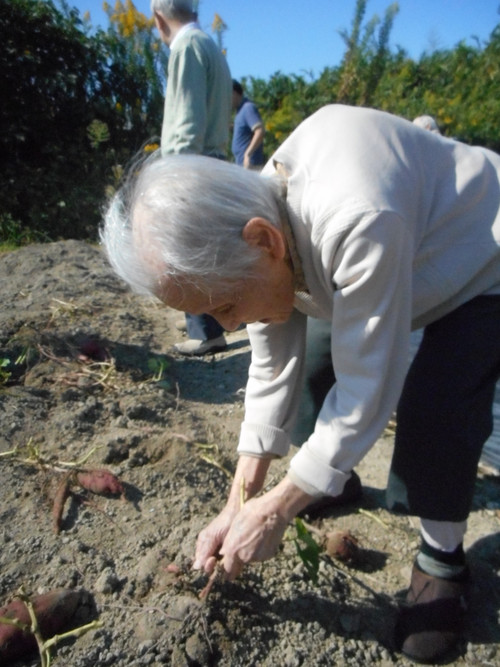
x,y
168,427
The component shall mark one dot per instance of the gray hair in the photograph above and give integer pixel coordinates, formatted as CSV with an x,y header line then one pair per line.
x,y
192,210
427,123
182,10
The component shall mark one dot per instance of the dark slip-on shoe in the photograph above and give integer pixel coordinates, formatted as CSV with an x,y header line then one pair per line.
x,y
430,623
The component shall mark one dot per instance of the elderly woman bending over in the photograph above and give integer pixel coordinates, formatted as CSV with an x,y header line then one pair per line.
x,y
365,221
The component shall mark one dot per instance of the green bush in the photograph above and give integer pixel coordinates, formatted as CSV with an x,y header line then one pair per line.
x,y
78,104
69,117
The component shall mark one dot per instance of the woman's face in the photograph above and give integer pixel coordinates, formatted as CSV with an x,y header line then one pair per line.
x,y
268,298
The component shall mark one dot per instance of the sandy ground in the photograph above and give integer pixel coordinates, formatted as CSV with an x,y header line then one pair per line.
x,y
89,379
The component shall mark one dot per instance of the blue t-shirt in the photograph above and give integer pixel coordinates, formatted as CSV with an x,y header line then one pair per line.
x,y
246,118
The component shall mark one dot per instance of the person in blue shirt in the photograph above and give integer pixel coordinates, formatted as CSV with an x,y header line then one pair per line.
x,y
248,133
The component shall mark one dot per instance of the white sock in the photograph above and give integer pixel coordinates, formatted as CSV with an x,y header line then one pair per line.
x,y
443,535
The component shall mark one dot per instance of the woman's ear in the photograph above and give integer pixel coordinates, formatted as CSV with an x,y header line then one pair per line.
x,y
262,234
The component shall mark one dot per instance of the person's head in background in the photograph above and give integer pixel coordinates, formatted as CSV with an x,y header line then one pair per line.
x,y
171,15
427,123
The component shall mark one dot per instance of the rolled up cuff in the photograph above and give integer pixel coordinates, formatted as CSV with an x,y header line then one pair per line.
x,y
316,473
263,440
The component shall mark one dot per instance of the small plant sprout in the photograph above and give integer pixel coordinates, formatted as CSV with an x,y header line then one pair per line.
x,y
24,356
4,374
158,367
309,553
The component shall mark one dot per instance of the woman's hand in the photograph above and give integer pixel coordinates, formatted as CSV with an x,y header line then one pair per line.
x,y
248,480
211,538
255,535
256,531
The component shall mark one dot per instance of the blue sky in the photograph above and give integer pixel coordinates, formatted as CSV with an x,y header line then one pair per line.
x,y
297,37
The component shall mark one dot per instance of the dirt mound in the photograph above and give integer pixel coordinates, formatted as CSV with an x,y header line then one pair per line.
x,y
87,377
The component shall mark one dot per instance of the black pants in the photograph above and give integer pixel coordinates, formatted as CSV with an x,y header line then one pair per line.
x,y
203,327
444,415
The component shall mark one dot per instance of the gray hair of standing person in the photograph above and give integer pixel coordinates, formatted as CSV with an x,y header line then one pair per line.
x,y
181,217
181,10
427,123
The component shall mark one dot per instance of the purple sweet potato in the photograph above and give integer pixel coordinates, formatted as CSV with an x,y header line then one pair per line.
x,y
56,612
92,349
100,481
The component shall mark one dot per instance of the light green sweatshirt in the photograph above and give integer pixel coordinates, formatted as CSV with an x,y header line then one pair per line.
x,y
198,96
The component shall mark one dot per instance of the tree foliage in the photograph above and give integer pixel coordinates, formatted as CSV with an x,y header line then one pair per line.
x,y
78,103
137,68
459,86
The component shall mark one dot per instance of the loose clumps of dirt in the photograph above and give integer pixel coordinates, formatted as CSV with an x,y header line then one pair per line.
x,y
87,377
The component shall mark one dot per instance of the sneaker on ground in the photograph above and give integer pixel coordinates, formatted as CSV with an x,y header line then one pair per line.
x,y
196,348
181,325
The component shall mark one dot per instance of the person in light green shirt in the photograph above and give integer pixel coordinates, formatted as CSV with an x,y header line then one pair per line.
x,y
197,114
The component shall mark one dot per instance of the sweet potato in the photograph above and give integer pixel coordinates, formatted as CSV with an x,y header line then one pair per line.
x,y
92,349
100,481
60,498
343,545
56,612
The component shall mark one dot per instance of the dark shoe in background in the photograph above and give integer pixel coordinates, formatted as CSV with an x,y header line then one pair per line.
x,y
352,493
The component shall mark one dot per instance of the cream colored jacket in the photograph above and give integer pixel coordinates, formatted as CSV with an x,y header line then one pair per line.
x,y
395,227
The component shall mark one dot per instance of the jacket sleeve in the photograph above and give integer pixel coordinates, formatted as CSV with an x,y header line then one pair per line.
x,y
273,388
371,272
